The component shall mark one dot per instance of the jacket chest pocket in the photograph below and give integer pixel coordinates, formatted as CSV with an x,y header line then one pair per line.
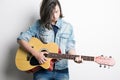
x,y
64,38
46,37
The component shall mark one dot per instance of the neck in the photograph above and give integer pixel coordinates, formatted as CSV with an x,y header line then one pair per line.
x,y
54,22
67,56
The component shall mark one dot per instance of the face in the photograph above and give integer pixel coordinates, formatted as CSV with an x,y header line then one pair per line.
x,y
56,14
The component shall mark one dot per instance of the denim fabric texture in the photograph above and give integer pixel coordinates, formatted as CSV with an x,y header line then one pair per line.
x,y
64,38
51,75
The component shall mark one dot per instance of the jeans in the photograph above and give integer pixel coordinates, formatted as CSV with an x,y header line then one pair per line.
x,y
51,75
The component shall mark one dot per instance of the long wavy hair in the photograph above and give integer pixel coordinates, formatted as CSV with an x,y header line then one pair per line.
x,y
46,10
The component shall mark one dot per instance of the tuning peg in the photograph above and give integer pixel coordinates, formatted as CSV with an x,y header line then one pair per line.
x,y
108,67
104,66
102,55
110,56
100,65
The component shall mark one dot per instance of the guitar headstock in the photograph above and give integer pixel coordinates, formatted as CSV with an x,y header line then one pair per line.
x,y
104,60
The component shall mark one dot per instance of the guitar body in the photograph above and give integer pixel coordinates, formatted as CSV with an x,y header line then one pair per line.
x,y
26,62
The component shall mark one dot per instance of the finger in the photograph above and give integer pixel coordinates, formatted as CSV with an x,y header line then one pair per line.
x,y
45,59
78,60
42,61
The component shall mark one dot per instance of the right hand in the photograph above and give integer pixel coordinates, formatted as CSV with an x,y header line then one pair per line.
x,y
40,57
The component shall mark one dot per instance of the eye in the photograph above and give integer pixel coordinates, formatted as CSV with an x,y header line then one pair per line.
x,y
56,11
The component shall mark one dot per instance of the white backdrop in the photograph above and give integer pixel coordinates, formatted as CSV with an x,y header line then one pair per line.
x,y
97,30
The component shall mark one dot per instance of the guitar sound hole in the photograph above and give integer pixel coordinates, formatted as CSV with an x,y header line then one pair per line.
x,y
34,61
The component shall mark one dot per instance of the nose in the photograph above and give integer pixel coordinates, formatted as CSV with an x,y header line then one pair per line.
x,y
54,15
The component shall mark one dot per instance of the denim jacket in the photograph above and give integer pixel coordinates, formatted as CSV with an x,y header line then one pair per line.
x,y
64,38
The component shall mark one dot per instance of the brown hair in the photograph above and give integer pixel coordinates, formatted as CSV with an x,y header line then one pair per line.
x,y
46,11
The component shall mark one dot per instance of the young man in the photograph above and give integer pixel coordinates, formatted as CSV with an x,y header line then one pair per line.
x,y
51,28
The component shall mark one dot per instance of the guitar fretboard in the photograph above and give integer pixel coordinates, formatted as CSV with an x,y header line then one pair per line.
x,y
67,56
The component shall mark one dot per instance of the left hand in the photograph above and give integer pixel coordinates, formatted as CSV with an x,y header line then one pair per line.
x,y
78,59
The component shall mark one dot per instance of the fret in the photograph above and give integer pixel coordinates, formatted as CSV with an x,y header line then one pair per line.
x,y
87,58
67,56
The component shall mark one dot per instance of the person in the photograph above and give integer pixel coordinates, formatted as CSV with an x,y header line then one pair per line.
x,y
51,28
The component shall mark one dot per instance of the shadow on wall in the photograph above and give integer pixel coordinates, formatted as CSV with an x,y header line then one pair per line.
x,y
11,70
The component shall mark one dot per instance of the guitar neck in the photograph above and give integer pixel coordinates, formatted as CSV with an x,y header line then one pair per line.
x,y
88,58
67,56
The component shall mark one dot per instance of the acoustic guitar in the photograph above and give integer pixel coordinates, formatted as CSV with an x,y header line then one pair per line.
x,y
25,61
